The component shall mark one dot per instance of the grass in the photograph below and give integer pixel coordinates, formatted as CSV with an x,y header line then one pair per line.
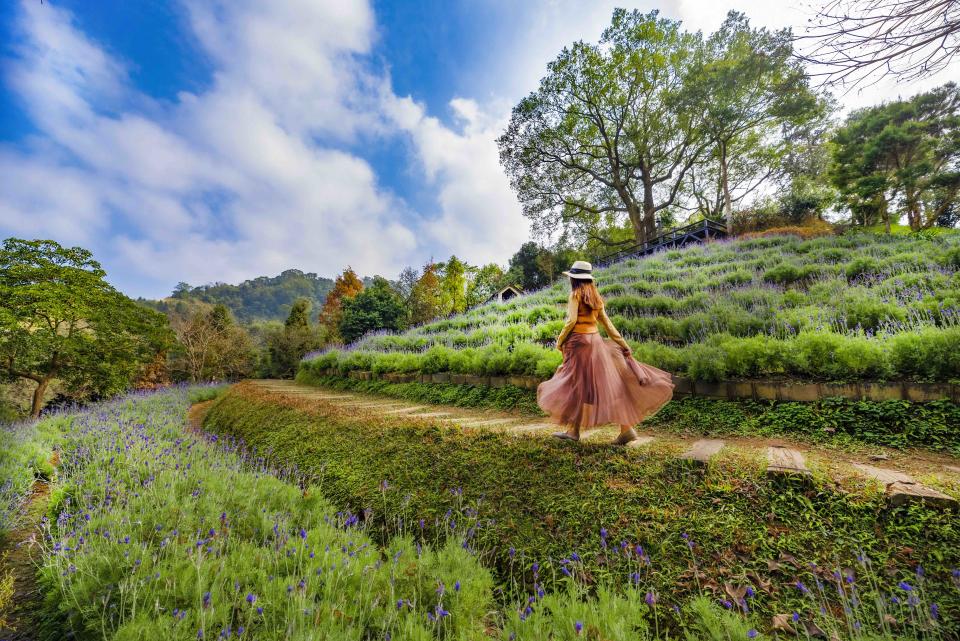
x,y
530,505
860,306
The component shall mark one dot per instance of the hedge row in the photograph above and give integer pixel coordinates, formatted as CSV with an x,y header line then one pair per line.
x,y
928,354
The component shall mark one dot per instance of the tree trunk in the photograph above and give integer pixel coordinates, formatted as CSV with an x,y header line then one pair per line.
x,y
636,219
649,212
725,183
38,397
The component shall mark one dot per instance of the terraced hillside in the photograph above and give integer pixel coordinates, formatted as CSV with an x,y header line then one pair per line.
x,y
859,306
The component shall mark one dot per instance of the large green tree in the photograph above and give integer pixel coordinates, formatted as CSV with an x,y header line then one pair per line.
x,y
753,94
60,319
902,156
379,306
612,131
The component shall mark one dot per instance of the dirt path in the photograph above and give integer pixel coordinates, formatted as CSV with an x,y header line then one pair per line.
x,y
904,475
19,555
195,418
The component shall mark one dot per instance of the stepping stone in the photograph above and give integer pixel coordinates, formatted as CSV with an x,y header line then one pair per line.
x,y
702,451
404,410
784,460
641,441
903,489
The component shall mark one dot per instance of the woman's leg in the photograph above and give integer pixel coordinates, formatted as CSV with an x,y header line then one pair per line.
x,y
627,434
572,434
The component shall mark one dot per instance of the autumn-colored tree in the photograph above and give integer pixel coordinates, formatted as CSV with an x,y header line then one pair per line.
x,y
347,285
426,298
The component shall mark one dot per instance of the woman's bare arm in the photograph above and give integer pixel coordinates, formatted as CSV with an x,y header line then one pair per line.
x,y
611,330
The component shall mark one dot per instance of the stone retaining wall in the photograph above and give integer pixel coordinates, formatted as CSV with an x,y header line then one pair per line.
x,y
753,389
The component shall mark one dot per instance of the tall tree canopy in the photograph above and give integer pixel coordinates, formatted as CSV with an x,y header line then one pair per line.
x,y
903,155
611,132
754,94
60,319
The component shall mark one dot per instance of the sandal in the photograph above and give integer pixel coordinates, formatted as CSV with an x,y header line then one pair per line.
x,y
626,437
563,436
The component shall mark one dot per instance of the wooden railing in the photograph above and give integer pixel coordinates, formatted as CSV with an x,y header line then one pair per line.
x,y
694,232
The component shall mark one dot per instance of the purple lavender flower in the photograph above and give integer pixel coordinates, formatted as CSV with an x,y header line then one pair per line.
x,y
650,599
251,598
751,634
578,626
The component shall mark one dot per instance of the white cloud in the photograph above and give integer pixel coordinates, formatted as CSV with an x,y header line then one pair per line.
x,y
225,184
250,175
480,217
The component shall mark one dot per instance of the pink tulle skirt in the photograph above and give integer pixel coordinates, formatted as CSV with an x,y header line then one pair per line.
x,y
598,385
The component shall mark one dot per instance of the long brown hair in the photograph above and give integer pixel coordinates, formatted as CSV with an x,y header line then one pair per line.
x,y
585,291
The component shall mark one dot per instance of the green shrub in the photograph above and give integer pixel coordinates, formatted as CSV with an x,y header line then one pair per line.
x,y
860,266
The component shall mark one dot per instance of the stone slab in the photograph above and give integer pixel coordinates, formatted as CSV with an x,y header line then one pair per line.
x,y
710,390
785,460
903,489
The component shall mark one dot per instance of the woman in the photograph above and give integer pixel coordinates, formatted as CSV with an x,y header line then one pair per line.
x,y
598,382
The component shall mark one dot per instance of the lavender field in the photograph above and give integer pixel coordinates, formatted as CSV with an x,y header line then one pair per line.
x,y
858,306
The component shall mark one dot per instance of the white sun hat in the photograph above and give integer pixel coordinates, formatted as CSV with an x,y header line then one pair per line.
x,y
581,269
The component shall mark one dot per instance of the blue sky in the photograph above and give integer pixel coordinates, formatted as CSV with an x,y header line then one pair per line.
x,y
219,140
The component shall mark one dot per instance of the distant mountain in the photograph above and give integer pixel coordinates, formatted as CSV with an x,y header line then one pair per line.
x,y
263,298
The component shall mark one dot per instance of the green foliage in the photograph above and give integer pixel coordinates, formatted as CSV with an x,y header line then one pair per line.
x,y
263,298
25,452
60,319
901,156
898,424
377,307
